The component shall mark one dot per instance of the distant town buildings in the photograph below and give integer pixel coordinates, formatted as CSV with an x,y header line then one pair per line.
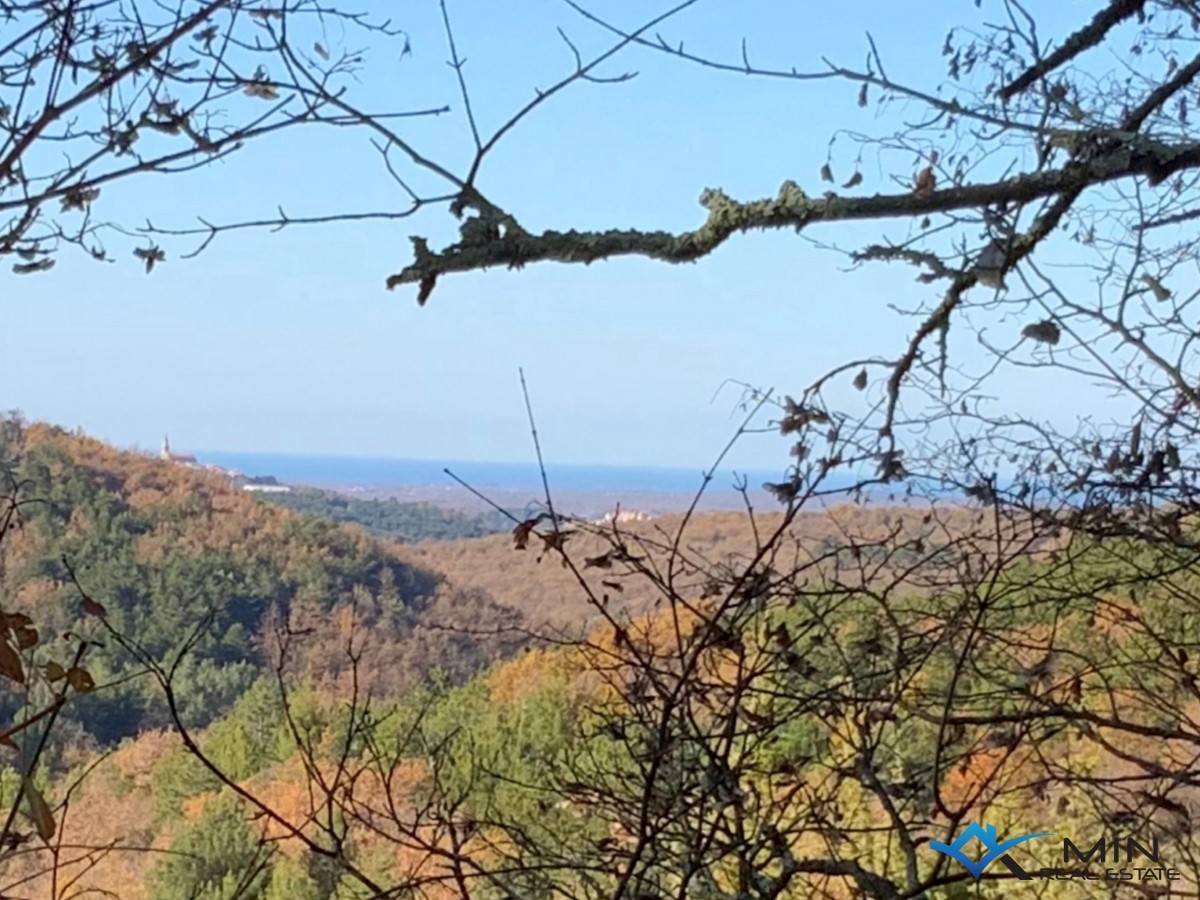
x,y
627,515
264,484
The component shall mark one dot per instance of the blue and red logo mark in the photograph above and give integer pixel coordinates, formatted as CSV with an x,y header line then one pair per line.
x,y
993,849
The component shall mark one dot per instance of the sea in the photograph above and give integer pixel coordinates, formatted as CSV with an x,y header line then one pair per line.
x,y
376,472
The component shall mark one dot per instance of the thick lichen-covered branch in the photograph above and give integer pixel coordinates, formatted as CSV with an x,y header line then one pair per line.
x,y
495,239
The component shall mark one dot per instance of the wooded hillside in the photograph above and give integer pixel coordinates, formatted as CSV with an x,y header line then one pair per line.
x,y
170,548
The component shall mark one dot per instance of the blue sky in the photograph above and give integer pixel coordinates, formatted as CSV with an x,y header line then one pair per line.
x,y
289,341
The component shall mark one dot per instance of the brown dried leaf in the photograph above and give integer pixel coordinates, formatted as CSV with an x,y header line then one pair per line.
x,y
1159,290
862,95
854,181
39,811
92,608
926,181
321,51
16,620
860,380
262,91
80,679
44,264
1044,332
10,663
79,198
555,540
150,255
522,532
26,637
783,491
598,562
826,173
55,672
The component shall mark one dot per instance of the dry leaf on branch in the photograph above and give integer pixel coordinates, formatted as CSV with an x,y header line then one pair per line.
x,y
521,534
80,679
1157,288
25,637
39,811
261,87
42,265
79,198
555,540
926,182
1044,332
262,91
784,491
15,620
10,663
150,256
524,530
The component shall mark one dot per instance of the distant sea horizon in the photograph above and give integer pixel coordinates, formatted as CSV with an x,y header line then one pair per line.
x,y
375,473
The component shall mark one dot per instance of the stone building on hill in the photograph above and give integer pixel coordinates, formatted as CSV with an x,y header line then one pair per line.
x,y
264,484
182,458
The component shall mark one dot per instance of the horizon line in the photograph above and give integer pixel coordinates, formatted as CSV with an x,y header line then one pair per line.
x,y
299,454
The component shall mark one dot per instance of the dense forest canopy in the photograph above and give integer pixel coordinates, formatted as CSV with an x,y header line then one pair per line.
x,y
405,521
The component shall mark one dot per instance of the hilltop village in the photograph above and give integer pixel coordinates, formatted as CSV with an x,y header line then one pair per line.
x,y
263,484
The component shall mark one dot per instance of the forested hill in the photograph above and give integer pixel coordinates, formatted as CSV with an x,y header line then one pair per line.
x,y
408,522
162,547
547,752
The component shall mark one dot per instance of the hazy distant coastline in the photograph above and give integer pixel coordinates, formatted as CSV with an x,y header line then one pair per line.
x,y
579,489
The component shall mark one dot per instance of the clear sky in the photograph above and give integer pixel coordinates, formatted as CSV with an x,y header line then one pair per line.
x,y
289,341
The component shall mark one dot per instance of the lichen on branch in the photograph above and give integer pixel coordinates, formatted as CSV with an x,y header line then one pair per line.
x,y
493,238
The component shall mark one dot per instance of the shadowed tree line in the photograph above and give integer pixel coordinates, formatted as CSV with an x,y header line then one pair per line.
x,y
405,521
